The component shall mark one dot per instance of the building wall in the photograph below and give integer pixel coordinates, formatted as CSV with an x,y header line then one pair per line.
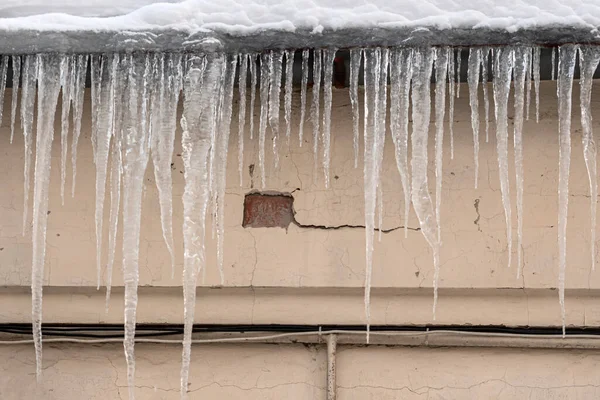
x,y
313,273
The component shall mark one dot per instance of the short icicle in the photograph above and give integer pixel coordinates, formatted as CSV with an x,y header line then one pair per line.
x,y
474,64
276,68
287,106
421,112
16,70
3,71
484,84
441,71
451,95
355,59
400,77
315,106
522,63
243,82
264,112
252,60
49,87
303,90
567,56
536,81
201,90
503,67
328,56
589,56
458,70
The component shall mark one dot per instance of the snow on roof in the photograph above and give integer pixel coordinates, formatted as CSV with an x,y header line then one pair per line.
x,y
244,17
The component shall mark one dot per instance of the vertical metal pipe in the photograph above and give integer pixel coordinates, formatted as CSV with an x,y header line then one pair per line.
x,y
331,351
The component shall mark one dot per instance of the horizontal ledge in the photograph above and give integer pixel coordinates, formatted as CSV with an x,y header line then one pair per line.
x,y
32,41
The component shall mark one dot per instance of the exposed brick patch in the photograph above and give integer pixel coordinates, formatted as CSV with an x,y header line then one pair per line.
x,y
268,210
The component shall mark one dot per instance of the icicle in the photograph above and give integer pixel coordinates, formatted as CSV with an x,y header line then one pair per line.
x,y
401,72
3,70
379,211
242,83
553,63
162,139
486,97
589,56
474,64
421,110
30,74
371,163
503,66
16,70
289,75
380,128
536,81
355,58
264,103
253,83
49,87
451,95
65,81
441,71
458,71
315,106
528,83
104,131
567,55
222,147
135,160
96,70
328,56
201,90
303,85
276,68
522,63
80,65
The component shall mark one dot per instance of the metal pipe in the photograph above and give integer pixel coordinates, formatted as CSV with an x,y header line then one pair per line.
x,y
331,353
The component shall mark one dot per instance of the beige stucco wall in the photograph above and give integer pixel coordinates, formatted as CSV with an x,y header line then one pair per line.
x,y
315,276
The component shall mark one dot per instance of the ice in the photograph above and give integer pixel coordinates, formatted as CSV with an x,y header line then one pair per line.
x,y
168,72
104,115
372,155
451,95
16,70
589,56
135,159
252,60
484,83
553,63
222,144
49,87
441,72
528,83
276,71
243,82
96,78
303,87
289,74
521,66
503,66
80,65
201,89
474,65
421,111
264,108
3,70
536,81
567,56
315,106
458,71
30,75
328,57
380,128
66,77
355,59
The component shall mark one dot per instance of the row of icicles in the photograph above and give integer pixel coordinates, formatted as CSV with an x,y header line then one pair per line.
x,y
135,99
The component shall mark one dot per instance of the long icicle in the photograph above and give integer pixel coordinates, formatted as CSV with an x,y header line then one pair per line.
x,y
262,128
252,59
328,56
81,62
401,72
30,76
380,128
441,71
66,76
421,110
522,63
135,160
536,81
589,56
16,70
484,84
451,95
49,87
289,75
566,66
355,59
315,106
276,67
474,64
503,66
303,87
242,83
201,89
